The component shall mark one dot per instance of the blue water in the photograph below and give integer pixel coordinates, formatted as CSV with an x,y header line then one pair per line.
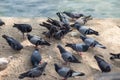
x,y
48,8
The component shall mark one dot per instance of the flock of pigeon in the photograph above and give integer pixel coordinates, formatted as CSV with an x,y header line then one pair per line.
x,y
58,29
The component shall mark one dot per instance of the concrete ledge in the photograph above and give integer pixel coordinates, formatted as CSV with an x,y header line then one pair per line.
x,y
109,36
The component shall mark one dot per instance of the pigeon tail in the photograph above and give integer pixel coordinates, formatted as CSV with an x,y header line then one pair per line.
x,y
101,46
22,76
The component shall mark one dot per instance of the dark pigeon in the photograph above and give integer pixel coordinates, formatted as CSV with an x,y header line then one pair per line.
x,y
51,28
67,72
84,30
35,72
36,40
24,28
60,25
67,56
55,22
36,58
78,47
91,42
115,56
73,15
2,23
103,65
46,25
14,44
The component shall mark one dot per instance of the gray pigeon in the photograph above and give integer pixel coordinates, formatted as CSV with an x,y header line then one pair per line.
x,y
91,42
67,56
103,65
2,23
62,18
14,44
36,58
84,30
24,28
115,56
73,15
34,72
78,47
84,19
67,72
36,40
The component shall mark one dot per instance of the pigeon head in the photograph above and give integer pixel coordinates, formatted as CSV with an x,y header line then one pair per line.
x,y
61,49
81,15
29,29
2,23
82,37
77,25
58,13
57,67
15,25
4,36
29,36
98,59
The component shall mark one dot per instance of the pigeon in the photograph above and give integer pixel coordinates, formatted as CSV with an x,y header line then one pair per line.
x,y
73,15
51,28
34,72
55,22
67,72
78,47
115,56
36,40
91,42
67,56
36,58
24,28
62,18
85,30
83,20
103,65
47,25
14,44
2,23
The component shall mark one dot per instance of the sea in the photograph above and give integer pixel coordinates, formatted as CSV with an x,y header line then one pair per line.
x,y
49,8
